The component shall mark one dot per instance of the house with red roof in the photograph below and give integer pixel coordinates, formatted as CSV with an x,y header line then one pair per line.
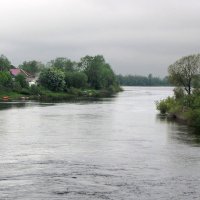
x,y
16,71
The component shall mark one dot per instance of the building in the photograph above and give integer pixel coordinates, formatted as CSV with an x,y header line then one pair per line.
x,y
16,71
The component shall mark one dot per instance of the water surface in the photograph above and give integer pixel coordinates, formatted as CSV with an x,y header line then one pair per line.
x,y
116,148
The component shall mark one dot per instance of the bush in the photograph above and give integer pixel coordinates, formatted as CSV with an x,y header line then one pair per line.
x,y
52,79
35,90
193,117
21,80
74,91
165,105
5,79
17,87
76,79
25,91
179,92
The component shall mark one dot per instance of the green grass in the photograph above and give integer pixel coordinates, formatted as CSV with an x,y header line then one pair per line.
x,y
42,94
11,95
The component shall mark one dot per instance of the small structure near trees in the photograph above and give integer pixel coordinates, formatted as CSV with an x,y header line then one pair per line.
x,y
17,71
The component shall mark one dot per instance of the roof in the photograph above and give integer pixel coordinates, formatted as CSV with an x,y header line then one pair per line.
x,y
18,71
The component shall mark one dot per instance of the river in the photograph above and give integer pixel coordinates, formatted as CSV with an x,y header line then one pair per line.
x,y
114,148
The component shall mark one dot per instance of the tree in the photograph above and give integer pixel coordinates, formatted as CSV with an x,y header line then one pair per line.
x,y
20,78
85,62
76,79
62,63
5,79
135,80
184,71
52,79
150,79
99,73
4,63
32,67
92,70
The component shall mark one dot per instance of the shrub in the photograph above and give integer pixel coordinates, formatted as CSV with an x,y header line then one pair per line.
x,y
35,90
52,79
17,87
165,105
74,91
76,79
5,79
193,117
179,92
25,91
21,80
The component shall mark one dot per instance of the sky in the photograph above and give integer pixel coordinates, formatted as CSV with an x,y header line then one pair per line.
x,y
136,37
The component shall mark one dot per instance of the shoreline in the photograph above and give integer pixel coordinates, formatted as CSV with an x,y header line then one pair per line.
x,y
59,96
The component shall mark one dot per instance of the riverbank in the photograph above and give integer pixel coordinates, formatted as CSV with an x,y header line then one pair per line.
x,y
46,95
184,108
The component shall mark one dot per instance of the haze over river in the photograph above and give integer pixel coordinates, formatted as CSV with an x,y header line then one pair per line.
x,y
116,148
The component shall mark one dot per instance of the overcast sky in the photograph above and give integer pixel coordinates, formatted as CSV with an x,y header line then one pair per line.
x,y
135,36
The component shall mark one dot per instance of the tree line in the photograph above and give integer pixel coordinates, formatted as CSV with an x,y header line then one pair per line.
x,y
135,80
61,75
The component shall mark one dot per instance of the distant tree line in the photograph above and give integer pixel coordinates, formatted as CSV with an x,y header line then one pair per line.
x,y
135,80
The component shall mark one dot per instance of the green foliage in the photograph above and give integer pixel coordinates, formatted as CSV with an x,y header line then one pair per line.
x,y
93,70
20,78
32,67
35,90
184,72
25,91
62,64
130,80
196,81
186,107
4,63
179,93
62,79
76,79
99,73
165,105
52,79
74,91
17,87
107,77
193,117
5,79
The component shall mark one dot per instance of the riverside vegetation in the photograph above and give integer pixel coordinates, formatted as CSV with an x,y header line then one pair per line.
x,y
185,104
60,79
136,80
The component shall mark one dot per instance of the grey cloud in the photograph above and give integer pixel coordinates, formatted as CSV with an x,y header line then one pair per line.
x,y
137,37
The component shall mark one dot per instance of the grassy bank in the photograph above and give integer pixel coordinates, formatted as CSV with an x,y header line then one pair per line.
x,y
42,94
182,107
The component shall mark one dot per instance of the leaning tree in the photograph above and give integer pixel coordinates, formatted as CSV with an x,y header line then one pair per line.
x,y
184,71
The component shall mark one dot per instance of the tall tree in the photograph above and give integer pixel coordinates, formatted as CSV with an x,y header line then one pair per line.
x,y
5,79
33,67
4,63
52,79
62,63
99,73
184,71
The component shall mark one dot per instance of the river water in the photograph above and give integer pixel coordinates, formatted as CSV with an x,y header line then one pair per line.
x,y
115,148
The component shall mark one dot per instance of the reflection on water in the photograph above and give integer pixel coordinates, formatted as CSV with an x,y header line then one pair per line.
x,y
116,148
7,105
21,104
180,132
